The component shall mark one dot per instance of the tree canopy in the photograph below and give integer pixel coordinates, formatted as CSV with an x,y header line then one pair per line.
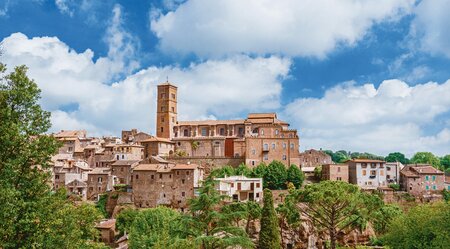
x,y
426,157
397,157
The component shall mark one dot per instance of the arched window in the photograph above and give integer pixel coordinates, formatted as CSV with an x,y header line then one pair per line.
x,y
185,132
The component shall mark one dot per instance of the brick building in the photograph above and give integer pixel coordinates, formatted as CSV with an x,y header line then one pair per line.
x,y
367,173
422,180
165,184
314,158
261,137
335,172
156,146
122,170
98,181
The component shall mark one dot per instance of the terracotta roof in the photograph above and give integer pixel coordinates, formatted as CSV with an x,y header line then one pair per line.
x,y
262,115
106,224
156,139
426,170
73,133
164,167
100,171
211,122
146,167
362,160
124,162
185,166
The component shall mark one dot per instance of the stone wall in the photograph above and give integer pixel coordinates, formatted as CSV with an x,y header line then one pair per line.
x,y
208,162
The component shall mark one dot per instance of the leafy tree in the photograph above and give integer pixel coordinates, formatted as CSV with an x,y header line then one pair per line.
x,y
340,157
253,213
260,170
295,175
424,226
31,215
382,217
426,157
446,195
445,162
125,219
269,236
335,206
397,157
318,172
395,186
276,176
235,212
242,169
153,228
101,205
223,171
208,227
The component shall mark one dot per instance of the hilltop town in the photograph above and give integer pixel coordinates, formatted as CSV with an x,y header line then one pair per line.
x,y
168,169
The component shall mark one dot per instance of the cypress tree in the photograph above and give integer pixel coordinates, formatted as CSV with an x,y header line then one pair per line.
x,y
269,236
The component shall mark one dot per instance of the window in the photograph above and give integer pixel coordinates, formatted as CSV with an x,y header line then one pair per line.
x,y
241,131
284,157
182,181
363,165
253,152
99,179
185,132
222,131
163,95
99,189
170,175
373,172
273,145
137,176
266,147
160,176
317,159
56,176
427,187
70,149
178,173
183,194
434,187
173,95
253,163
118,157
162,120
373,165
232,185
173,109
204,132
262,132
152,177
266,157
292,145
284,145
257,195
187,172
339,169
258,185
364,172
381,173
162,129
427,178
173,120
388,168
123,156
339,178
276,132
434,178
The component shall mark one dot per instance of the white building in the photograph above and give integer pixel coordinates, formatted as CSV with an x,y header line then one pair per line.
x,y
241,188
367,173
393,172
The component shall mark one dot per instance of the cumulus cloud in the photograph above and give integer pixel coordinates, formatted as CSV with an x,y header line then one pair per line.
x,y
288,27
430,27
207,89
365,118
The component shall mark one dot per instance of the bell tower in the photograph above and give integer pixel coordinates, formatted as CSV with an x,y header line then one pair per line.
x,y
166,113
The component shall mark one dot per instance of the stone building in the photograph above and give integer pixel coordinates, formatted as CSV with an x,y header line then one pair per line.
x,y
156,146
367,173
261,137
71,141
335,172
314,158
98,182
422,180
122,170
128,152
165,184
240,188
134,137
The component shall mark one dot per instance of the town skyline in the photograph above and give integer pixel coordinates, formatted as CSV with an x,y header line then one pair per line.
x,y
373,79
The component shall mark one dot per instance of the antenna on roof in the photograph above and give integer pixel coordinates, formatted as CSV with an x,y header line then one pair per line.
x,y
167,79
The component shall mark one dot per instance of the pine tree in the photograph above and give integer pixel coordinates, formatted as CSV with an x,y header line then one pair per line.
x,y
269,236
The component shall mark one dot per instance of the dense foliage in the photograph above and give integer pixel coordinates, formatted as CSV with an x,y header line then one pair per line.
x,y
424,226
31,215
269,235
397,157
426,157
275,175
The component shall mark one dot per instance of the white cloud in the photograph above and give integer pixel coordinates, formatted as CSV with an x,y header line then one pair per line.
x,y
389,118
288,27
430,27
208,89
65,7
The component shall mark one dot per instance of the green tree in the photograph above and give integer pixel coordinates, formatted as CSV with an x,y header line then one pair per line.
x,y
295,175
226,170
335,206
340,156
259,171
424,226
426,157
397,157
253,213
242,169
125,219
31,215
276,176
445,162
269,235
207,226
154,228
383,217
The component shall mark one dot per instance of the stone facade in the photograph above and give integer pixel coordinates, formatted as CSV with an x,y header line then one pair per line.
x,y
422,180
367,173
165,184
166,112
314,158
335,172
98,182
155,146
122,170
393,171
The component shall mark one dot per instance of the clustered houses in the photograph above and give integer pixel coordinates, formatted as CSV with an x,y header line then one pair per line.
x,y
422,180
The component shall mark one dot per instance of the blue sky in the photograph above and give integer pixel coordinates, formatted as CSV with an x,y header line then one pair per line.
x,y
354,75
